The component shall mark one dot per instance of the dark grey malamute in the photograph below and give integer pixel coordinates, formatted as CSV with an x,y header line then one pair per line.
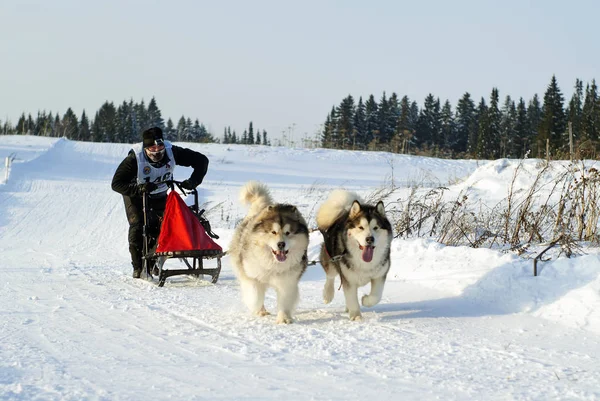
x,y
357,247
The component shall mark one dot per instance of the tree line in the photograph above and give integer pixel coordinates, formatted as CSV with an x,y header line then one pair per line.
x,y
486,129
122,124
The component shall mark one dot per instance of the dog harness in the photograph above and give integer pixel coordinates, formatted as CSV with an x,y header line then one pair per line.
x,y
329,240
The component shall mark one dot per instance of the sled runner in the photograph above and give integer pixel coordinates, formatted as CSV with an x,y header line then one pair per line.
x,y
184,234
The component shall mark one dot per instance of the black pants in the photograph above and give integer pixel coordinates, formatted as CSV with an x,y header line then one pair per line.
x,y
135,217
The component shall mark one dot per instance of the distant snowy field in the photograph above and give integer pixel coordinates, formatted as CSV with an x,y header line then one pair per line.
x,y
454,322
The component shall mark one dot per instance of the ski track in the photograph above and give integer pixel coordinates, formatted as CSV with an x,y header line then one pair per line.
x,y
75,326
95,322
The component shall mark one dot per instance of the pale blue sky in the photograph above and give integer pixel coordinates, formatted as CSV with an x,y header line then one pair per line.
x,y
280,63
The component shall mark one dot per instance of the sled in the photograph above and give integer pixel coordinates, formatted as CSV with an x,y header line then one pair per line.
x,y
184,234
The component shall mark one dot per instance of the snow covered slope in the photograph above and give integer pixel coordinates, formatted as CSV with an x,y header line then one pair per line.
x,y
454,322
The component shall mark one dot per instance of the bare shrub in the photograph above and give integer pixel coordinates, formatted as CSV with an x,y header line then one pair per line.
x,y
560,207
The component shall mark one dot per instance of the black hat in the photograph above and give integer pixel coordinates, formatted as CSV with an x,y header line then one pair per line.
x,y
152,136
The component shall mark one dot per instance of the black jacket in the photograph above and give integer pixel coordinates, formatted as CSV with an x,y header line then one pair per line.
x,y
125,178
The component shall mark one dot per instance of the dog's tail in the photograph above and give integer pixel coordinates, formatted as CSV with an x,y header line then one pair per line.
x,y
257,195
339,201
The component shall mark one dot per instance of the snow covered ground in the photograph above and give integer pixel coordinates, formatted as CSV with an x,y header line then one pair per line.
x,y
455,323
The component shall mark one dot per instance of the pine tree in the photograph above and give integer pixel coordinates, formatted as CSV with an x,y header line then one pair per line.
x,y
522,131
56,129
22,125
190,134
30,124
326,133
483,140
126,127
169,131
534,116
590,123
494,122
392,117
96,129
448,127
154,115
575,110
264,138
37,123
404,126
507,129
83,131
203,134
7,129
465,118
429,127
382,134
250,138
195,131
47,131
225,137
25,125
181,130
371,124
345,123
42,124
141,114
553,125
359,133
69,124
107,122
329,134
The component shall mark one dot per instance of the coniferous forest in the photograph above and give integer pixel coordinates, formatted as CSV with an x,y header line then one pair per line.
x,y
548,127
475,128
123,124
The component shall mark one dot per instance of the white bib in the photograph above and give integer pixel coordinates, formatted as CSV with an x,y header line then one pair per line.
x,y
148,173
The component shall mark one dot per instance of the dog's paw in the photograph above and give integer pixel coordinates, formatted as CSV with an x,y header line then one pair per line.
x,y
282,318
369,300
263,312
355,316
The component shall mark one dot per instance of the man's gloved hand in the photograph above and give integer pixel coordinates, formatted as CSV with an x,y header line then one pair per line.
x,y
147,187
188,184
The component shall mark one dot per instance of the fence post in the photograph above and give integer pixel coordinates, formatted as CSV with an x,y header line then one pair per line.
x,y
6,166
7,163
571,140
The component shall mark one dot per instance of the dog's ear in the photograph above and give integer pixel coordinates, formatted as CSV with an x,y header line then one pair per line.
x,y
355,209
380,209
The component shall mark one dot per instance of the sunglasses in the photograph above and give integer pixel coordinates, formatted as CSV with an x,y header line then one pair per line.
x,y
159,145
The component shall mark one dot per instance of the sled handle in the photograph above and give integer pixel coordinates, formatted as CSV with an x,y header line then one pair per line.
x,y
172,183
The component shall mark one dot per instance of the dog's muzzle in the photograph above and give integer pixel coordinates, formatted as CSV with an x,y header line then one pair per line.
x,y
280,254
367,252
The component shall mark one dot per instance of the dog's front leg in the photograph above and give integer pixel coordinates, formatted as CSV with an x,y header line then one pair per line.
x,y
351,294
253,293
287,298
376,292
329,288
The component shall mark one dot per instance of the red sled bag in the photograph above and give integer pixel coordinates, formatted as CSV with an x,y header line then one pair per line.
x,y
181,230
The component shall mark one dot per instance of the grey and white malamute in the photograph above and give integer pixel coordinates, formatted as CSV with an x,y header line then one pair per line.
x,y
268,249
357,247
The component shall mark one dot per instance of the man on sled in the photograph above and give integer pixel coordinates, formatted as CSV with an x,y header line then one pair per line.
x,y
146,168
